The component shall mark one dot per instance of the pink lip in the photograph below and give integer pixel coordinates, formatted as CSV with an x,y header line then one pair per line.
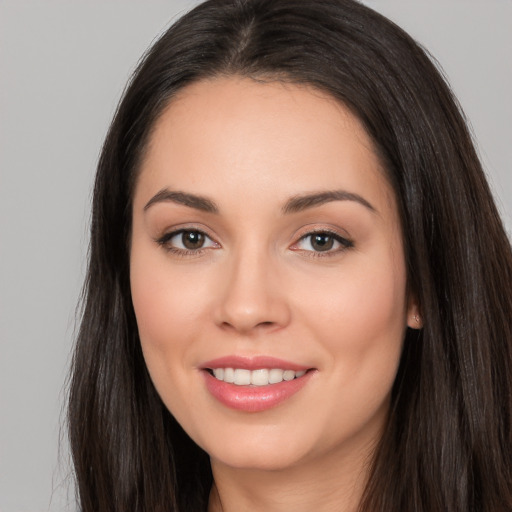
x,y
253,363
253,398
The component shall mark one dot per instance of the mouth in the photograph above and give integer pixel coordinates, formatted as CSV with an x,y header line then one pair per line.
x,y
254,384
258,377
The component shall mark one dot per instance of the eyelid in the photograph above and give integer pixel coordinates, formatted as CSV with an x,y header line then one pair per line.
x,y
164,240
344,241
169,230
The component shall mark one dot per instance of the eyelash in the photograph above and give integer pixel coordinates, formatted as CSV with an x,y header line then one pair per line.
x,y
345,243
164,241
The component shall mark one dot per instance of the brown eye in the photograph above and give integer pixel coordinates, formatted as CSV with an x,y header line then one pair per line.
x,y
322,242
192,239
187,241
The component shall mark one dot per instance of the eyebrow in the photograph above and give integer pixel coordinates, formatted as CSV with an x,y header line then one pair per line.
x,y
191,200
304,202
294,205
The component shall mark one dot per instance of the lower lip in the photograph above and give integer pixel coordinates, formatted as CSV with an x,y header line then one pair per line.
x,y
254,398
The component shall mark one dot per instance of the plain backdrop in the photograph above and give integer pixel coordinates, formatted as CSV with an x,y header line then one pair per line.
x,y
63,66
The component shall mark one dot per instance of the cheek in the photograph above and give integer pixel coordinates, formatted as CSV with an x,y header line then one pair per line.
x,y
360,316
376,303
169,314
168,307
359,320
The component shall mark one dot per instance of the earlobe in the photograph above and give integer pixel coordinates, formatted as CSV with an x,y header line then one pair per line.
x,y
414,318
416,322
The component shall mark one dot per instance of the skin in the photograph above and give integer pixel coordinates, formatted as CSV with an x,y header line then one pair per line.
x,y
259,287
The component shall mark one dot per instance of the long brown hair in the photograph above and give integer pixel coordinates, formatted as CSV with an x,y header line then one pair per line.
x,y
448,441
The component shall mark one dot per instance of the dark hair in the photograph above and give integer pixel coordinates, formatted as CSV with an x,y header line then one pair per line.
x,y
447,445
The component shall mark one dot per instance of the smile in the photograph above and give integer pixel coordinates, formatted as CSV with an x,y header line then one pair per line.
x,y
254,384
259,377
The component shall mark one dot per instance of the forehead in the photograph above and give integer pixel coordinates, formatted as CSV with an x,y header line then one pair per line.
x,y
239,136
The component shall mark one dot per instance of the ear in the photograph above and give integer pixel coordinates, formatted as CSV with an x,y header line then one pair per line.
x,y
414,317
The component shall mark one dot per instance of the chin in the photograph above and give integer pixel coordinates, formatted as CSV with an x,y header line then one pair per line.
x,y
264,450
256,460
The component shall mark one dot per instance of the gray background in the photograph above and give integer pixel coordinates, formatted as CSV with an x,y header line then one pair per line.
x,y
63,66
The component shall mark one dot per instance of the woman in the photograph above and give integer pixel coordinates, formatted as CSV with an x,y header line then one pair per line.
x,y
298,293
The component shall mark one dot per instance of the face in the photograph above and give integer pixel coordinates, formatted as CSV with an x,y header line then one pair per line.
x,y
267,273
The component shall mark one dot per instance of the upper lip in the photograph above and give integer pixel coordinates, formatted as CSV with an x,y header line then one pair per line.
x,y
253,363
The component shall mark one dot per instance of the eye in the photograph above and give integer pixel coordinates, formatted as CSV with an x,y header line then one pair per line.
x,y
186,241
323,241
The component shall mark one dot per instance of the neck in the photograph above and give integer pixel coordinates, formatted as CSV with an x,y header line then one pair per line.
x,y
333,484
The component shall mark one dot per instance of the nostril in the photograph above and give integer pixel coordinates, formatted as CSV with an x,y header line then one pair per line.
x,y
239,326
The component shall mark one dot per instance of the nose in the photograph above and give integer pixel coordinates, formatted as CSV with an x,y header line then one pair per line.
x,y
251,297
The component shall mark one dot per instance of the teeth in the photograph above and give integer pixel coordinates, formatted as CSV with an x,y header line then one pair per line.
x,y
275,375
242,377
261,377
289,375
229,375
